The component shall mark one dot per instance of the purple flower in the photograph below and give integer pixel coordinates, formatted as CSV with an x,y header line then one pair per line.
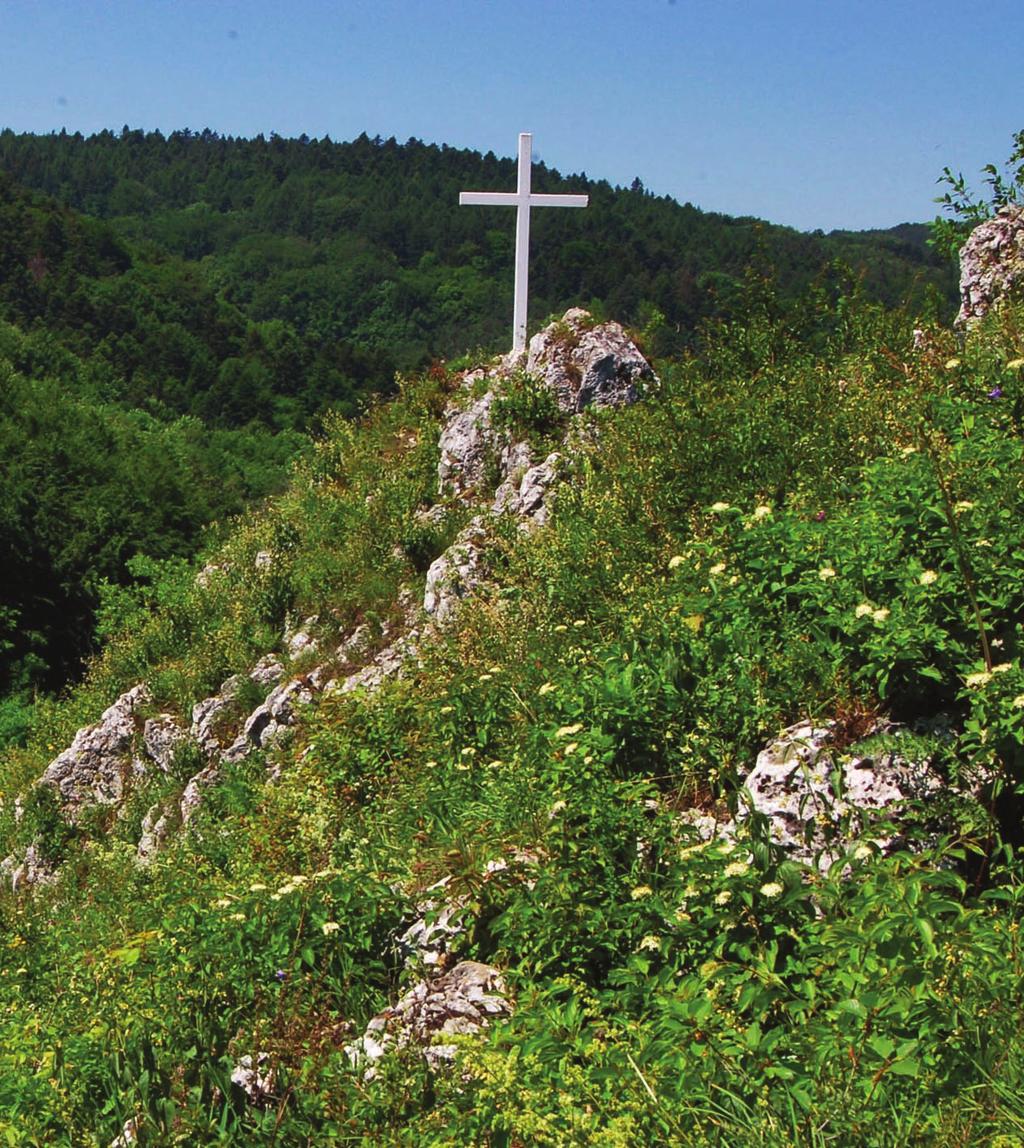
x,y
996,393
820,516
281,975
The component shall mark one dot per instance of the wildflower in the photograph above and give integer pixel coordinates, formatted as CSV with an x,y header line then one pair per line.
x,y
298,879
771,889
737,869
329,927
724,897
546,688
1015,364
880,615
580,622
572,747
962,506
927,577
718,568
952,364
1018,702
222,903
820,516
976,681
556,809
862,853
675,561
1002,667
996,393
640,891
284,890
236,916
446,710
561,629
568,730
496,764
485,677
494,669
825,573
983,542
761,512
430,765
257,887
651,943
908,450
281,975
864,609
720,507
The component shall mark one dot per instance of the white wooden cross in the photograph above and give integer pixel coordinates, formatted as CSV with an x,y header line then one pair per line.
x,y
522,200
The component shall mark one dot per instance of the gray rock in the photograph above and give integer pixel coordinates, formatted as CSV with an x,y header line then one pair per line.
x,y
267,721
461,1002
162,736
192,797
207,713
267,672
457,573
30,869
819,801
587,364
156,829
96,767
301,641
991,264
466,444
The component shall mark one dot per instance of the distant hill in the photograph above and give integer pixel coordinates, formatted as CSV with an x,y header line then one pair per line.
x,y
361,250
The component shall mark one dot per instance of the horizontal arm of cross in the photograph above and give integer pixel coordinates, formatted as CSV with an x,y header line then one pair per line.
x,y
512,199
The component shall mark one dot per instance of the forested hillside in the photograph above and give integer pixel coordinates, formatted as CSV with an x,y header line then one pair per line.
x,y
168,304
364,244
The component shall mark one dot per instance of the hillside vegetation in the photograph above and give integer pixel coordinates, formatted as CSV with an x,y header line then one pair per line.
x,y
779,530
176,312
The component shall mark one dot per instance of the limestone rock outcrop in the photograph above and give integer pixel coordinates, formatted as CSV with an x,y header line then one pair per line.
x,y
462,1001
819,800
588,364
991,264
95,768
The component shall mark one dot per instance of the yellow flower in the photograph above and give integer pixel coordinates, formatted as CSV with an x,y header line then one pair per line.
x,y
880,615
963,505
329,927
561,629
864,609
568,730
975,681
257,887
1002,667
1018,702
762,512
720,507
650,942
546,688
952,364
641,891
572,747
927,577
724,897
771,889
675,561
718,568
446,710
469,751
737,869
1015,364
825,573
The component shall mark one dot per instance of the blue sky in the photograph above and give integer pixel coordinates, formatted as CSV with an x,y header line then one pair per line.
x,y
833,113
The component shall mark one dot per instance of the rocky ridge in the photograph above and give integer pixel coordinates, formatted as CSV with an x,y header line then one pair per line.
x,y
991,264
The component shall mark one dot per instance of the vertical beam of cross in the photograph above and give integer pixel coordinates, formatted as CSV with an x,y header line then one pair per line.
x,y
522,200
